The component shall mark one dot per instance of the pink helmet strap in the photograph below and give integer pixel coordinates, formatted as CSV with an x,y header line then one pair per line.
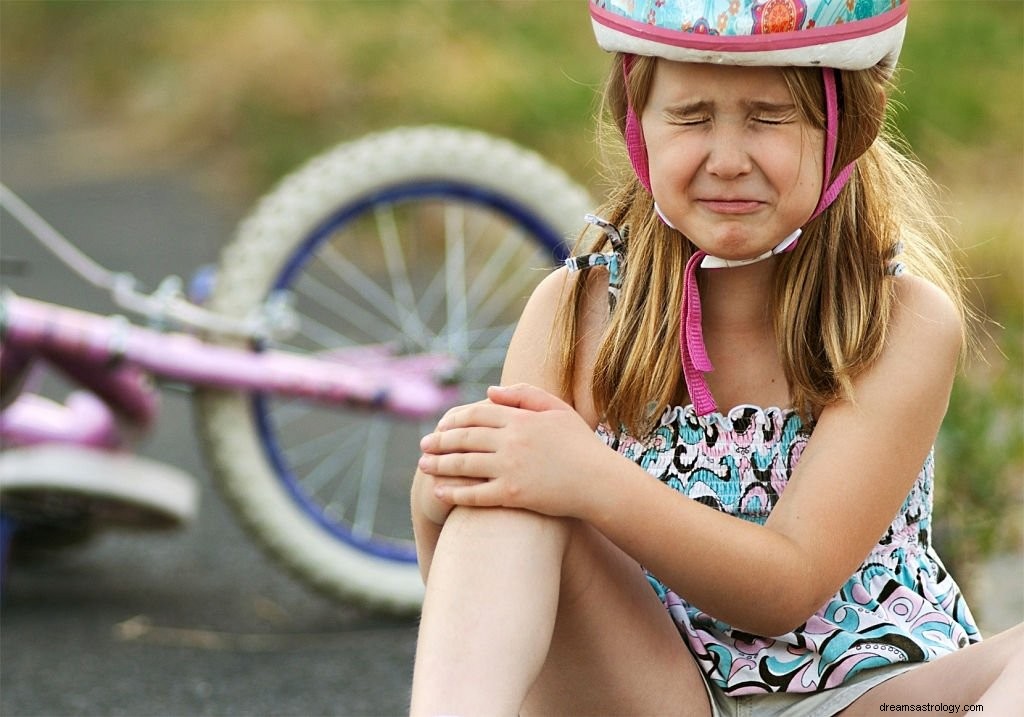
x,y
635,145
829,192
693,352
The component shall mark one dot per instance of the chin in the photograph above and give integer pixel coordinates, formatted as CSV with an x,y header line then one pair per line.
x,y
736,248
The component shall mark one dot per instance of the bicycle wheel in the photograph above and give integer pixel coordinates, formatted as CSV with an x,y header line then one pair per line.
x,y
430,237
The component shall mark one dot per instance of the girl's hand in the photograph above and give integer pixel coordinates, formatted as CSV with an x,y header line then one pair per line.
x,y
424,496
425,500
525,447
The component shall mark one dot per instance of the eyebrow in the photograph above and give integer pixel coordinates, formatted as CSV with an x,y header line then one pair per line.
x,y
683,109
772,106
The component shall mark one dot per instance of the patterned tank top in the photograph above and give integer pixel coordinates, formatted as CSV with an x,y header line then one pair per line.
x,y
900,606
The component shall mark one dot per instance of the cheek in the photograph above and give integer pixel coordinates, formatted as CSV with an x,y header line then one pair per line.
x,y
813,160
805,178
802,174
672,165
811,177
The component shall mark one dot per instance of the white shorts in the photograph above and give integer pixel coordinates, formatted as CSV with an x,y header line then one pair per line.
x,y
799,704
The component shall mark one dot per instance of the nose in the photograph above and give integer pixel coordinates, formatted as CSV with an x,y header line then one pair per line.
x,y
727,157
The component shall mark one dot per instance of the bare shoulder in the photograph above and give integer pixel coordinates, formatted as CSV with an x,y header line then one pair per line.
x,y
530,357
557,286
536,352
918,362
924,319
545,304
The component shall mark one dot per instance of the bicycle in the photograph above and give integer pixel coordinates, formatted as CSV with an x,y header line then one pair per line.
x,y
371,289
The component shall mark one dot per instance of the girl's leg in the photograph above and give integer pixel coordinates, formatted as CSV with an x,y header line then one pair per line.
x,y
1006,694
985,672
544,615
488,613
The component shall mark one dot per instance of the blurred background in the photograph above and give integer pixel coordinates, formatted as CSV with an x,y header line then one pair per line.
x,y
232,95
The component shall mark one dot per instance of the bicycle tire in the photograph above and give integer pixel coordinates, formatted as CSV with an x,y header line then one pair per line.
x,y
47,487
389,183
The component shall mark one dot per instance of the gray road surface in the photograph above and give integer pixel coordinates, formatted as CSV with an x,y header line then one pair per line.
x,y
194,622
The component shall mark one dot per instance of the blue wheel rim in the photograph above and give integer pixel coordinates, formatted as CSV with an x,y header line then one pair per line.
x,y
518,214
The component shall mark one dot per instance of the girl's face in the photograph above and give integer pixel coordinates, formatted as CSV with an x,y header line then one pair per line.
x,y
734,166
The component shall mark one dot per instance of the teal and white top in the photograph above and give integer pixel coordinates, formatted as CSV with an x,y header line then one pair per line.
x,y
900,606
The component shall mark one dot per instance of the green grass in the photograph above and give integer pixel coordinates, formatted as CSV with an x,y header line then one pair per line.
x,y
962,76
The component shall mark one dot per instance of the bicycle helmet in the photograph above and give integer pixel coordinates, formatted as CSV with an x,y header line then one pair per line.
x,y
831,34
842,34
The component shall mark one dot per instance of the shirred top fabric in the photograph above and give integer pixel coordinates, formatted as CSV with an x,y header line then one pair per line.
x,y
900,606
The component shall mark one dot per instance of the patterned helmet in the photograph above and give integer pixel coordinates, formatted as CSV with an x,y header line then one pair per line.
x,y
842,34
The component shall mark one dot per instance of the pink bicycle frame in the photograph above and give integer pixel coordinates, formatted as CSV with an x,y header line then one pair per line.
x,y
111,357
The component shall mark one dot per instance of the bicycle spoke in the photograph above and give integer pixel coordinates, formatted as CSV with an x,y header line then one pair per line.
x,y
369,486
303,453
484,362
322,335
484,337
455,280
488,357
432,297
458,312
286,411
401,288
515,289
500,263
372,292
332,469
355,277
342,306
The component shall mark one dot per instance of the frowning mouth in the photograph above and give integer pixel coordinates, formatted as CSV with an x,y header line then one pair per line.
x,y
731,206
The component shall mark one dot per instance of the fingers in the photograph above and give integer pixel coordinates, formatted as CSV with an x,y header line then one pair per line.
x,y
442,483
527,397
494,412
482,495
483,413
461,440
460,452
451,482
458,465
426,503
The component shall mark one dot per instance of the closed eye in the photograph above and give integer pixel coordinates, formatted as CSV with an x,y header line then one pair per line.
x,y
678,122
773,114
688,114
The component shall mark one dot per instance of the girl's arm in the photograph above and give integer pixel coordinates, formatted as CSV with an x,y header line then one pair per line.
x,y
854,474
532,358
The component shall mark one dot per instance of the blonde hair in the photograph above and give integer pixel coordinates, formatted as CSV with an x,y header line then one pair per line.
x,y
832,299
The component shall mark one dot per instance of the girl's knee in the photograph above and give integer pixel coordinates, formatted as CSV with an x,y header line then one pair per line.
x,y
1006,647
505,524
1012,657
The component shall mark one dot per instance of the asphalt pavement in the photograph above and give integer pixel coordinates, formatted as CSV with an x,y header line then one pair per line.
x,y
194,621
